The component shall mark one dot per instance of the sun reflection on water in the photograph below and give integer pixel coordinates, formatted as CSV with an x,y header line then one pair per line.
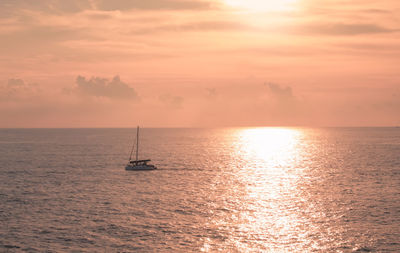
x,y
265,197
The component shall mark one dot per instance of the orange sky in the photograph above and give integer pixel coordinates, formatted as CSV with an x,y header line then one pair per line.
x,y
198,63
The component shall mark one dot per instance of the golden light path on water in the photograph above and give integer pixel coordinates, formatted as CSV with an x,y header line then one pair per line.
x,y
266,209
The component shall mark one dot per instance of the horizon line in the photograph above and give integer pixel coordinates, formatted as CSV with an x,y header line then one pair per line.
x,y
199,127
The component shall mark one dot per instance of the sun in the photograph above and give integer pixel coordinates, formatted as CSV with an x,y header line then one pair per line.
x,y
261,5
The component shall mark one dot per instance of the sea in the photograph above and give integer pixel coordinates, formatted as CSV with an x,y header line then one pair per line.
x,y
215,190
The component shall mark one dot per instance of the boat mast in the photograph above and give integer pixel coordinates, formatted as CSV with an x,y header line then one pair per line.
x,y
133,146
137,143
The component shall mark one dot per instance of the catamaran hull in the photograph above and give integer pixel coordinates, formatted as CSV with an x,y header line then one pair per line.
x,y
140,167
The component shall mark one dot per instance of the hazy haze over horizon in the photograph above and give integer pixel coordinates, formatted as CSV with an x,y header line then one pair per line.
x,y
199,63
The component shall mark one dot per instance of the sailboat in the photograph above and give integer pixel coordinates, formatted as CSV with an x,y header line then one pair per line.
x,y
138,164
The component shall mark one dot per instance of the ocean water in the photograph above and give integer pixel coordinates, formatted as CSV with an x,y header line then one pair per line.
x,y
227,190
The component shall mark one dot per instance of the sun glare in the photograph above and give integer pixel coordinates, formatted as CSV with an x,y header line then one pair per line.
x,y
270,147
261,5
270,143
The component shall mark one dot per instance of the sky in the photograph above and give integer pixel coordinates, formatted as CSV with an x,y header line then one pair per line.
x,y
199,63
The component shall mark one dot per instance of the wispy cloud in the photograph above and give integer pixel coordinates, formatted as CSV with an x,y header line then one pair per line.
x,y
154,5
343,29
201,26
12,7
73,6
172,101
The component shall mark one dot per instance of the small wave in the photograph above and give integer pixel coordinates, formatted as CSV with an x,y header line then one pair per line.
x,y
8,246
180,211
362,249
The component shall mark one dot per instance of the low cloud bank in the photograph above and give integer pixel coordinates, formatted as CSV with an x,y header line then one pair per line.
x,y
102,87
